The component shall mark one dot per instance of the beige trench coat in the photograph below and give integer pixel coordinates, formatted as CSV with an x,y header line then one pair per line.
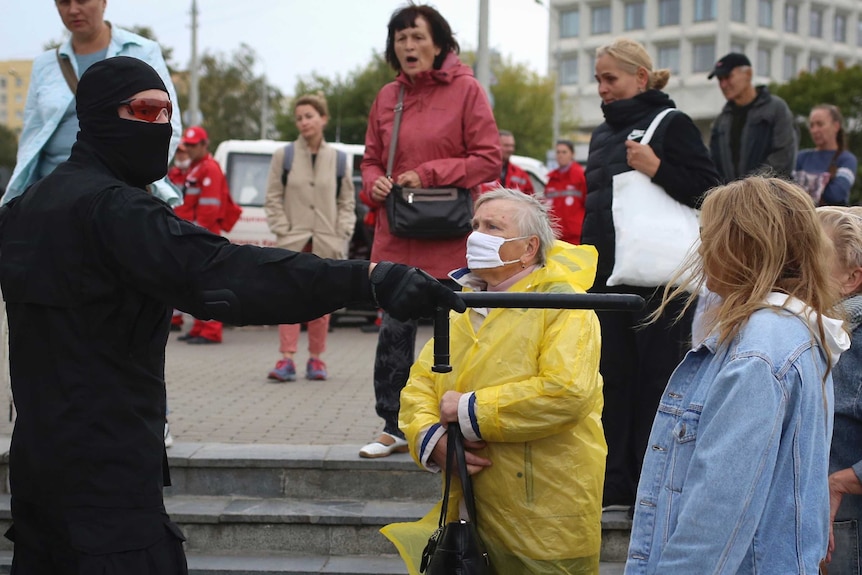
x,y
308,208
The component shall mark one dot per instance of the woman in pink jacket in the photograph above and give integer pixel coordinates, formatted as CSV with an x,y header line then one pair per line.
x,y
448,137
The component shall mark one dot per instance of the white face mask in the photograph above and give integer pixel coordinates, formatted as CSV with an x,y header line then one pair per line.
x,y
483,251
183,164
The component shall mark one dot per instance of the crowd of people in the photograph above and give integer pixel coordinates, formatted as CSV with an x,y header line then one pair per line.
x,y
737,450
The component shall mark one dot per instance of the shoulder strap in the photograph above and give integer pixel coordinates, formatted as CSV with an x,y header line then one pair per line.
x,y
399,107
340,170
655,124
456,462
287,164
68,71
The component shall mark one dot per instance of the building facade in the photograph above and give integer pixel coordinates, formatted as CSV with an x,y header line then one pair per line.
x,y
14,82
780,37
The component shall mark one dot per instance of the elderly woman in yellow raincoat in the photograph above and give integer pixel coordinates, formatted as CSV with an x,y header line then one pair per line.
x,y
526,391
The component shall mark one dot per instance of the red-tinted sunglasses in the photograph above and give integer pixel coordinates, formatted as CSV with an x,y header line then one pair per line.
x,y
148,109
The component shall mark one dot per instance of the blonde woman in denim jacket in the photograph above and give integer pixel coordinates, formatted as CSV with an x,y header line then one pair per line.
x,y
844,227
735,474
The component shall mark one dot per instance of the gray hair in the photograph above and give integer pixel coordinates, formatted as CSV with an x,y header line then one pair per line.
x,y
532,217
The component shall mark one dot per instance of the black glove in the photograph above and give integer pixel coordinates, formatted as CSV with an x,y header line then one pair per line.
x,y
409,293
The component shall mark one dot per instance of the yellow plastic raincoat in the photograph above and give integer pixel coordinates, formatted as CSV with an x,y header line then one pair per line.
x,y
535,373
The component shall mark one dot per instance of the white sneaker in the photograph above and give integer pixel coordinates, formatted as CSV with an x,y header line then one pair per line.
x,y
169,439
386,445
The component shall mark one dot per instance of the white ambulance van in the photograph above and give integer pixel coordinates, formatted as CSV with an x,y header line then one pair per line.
x,y
245,164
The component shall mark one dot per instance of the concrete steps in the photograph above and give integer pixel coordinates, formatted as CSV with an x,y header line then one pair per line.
x,y
289,509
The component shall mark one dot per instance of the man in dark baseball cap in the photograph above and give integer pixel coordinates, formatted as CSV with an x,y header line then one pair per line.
x,y
754,131
726,65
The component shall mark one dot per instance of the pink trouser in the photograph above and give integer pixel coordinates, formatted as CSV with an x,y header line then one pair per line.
x,y
317,330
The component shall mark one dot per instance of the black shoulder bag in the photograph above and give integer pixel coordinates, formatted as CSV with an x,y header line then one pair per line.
x,y
425,213
455,547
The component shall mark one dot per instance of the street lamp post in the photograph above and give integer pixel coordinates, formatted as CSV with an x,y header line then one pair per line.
x,y
194,114
483,63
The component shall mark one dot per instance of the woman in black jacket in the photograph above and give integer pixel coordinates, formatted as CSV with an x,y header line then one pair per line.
x,y
636,361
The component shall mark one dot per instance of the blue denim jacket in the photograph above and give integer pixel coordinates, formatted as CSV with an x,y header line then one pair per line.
x,y
735,476
49,96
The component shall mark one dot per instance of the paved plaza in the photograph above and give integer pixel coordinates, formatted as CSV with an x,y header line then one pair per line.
x,y
220,393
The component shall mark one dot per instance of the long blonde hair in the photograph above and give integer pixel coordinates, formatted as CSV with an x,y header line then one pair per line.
x,y
758,235
631,56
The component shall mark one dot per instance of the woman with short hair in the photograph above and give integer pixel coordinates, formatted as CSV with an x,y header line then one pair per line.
x,y
526,392
447,138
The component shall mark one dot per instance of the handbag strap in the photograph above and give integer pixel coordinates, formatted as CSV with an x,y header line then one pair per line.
x,y
655,124
455,456
399,107
68,71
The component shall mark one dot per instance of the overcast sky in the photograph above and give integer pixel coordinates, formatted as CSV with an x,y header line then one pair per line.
x,y
293,38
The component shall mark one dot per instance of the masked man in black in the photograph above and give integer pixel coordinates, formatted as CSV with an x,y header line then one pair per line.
x,y
90,267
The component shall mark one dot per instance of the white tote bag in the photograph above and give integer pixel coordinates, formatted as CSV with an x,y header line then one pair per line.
x,y
654,232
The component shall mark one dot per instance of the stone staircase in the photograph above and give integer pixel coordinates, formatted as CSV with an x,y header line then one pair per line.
x,y
292,509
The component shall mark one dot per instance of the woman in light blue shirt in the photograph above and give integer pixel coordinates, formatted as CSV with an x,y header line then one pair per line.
x,y
50,123
735,474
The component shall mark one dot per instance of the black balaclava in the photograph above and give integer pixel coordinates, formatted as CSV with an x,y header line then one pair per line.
x,y
136,152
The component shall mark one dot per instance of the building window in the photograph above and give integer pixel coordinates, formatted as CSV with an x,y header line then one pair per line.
x,y
668,12
18,98
737,47
593,65
704,10
840,32
764,61
737,11
791,18
569,70
2,98
703,56
789,71
2,82
20,115
570,24
859,33
764,13
601,20
635,15
814,63
815,29
668,57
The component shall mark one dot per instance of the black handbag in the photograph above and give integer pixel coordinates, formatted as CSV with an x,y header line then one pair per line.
x,y
425,213
455,548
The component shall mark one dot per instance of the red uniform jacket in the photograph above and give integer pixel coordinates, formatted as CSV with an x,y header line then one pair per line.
x,y
448,136
206,193
516,179
566,194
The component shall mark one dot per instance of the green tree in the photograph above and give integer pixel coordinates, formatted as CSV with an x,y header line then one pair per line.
x,y
349,100
524,105
523,102
231,95
838,86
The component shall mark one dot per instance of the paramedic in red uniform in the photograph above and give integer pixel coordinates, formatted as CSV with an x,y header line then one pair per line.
x,y
205,190
566,193
511,176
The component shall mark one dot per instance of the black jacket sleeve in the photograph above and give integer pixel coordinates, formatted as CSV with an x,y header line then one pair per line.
x,y
686,171
201,273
